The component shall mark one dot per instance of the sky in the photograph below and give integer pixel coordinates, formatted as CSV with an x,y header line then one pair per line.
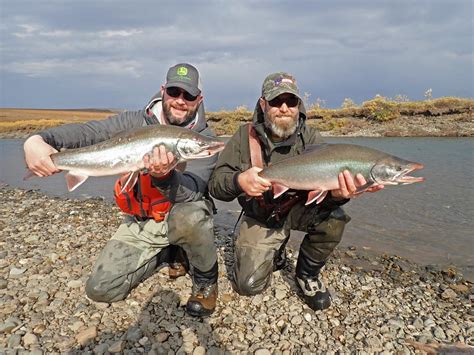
x,y
115,53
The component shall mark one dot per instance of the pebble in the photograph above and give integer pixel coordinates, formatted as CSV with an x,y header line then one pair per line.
x,y
86,335
16,272
29,339
199,350
45,310
117,347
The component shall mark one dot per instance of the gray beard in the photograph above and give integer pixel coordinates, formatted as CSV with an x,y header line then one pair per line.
x,y
280,131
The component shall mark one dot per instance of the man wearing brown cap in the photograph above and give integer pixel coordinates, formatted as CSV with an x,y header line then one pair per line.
x,y
278,131
143,244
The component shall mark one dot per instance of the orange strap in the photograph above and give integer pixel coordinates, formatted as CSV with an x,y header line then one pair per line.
x,y
255,149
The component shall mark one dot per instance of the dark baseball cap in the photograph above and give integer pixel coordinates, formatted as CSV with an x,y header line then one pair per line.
x,y
279,83
184,76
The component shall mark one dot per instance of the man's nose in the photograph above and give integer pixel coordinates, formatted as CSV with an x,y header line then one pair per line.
x,y
283,107
180,98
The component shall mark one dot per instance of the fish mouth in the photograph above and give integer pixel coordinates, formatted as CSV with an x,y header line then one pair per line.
x,y
404,179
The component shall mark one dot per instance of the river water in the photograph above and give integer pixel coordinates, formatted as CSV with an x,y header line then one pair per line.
x,y
429,222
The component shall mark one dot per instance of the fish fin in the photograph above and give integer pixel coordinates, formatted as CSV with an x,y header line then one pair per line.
x,y
316,195
130,181
74,180
364,187
279,190
29,174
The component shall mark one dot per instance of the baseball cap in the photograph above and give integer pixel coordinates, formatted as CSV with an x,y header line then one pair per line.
x,y
184,76
279,83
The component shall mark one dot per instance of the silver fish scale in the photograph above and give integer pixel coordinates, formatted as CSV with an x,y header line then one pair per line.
x,y
116,156
319,168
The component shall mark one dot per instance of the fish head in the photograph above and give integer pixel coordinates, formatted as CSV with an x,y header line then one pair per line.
x,y
196,148
394,171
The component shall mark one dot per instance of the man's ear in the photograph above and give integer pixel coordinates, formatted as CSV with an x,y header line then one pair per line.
x,y
262,103
201,98
162,90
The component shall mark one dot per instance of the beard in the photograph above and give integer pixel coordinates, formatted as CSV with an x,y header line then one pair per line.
x,y
178,121
280,128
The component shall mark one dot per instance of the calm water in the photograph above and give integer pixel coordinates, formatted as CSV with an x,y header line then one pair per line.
x,y
429,222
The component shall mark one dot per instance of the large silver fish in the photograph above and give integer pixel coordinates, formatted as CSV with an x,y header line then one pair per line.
x,y
316,170
124,153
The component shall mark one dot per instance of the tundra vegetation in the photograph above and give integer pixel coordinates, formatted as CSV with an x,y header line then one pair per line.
x,y
380,116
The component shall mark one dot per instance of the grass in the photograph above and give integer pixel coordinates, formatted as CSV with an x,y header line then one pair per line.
x,y
29,120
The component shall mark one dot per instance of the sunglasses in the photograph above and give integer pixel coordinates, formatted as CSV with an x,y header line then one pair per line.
x,y
176,92
290,101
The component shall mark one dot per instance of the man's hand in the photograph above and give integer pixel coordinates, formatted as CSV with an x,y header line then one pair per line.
x,y
348,186
159,162
252,184
37,156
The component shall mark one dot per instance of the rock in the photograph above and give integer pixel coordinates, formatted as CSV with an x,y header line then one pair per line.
x,y
280,294
134,334
74,284
7,327
101,348
262,352
162,337
296,320
86,335
117,347
14,340
460,288
199,350
16,272
448,294
29,339
372,313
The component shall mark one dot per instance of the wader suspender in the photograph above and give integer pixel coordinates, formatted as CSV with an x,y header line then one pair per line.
x,y
255,148
255,160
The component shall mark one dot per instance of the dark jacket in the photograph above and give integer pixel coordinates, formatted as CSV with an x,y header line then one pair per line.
x,y
190,185
235,158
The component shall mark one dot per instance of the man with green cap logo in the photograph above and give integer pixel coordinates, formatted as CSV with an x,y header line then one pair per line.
x,y
183,237
279,131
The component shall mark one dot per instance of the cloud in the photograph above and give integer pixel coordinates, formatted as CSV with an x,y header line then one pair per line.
x,y
336,50
72,67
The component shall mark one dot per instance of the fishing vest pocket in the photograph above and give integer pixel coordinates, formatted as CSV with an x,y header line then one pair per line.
x,y
144,201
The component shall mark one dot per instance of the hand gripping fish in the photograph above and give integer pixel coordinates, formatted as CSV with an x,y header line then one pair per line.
x,y
316,170
124,153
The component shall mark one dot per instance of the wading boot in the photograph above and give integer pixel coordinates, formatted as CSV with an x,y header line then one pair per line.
x,y
280,260
204,294
315,293
178,264
308,276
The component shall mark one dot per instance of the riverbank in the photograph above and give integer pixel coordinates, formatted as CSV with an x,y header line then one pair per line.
x,y
49,245
379,117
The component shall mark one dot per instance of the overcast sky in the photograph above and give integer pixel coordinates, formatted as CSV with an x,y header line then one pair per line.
x,y
115,53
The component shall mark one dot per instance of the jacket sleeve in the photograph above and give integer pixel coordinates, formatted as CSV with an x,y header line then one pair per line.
x,y
190,185
77,135
223,183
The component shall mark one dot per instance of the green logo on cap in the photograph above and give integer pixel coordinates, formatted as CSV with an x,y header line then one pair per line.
x,y
182,71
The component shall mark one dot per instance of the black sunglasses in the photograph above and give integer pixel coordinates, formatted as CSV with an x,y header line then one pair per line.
x,y
174,91
290,101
